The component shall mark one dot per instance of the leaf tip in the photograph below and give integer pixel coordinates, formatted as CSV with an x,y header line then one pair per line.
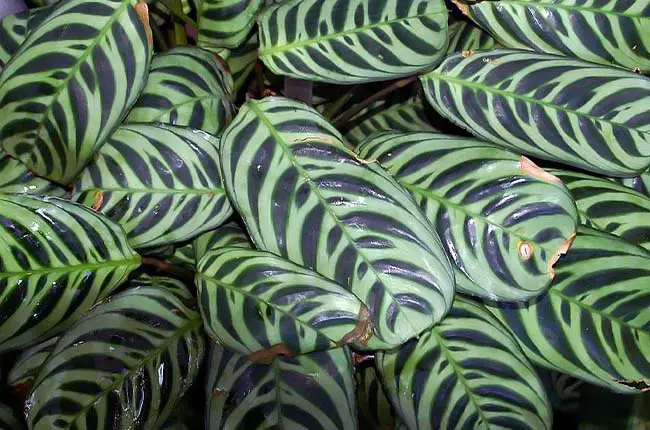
x,y
527,166
142,10
461,6
362,332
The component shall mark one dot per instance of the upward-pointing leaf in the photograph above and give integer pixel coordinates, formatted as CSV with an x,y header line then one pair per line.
x,y
503,221
348,41
304,196
255,302
58,259
466,373
187,87
463,36
124,365
71,82
241,61
228,235
226,23
312,392
607,32
408,115
593,323
610,207
160,183
561,109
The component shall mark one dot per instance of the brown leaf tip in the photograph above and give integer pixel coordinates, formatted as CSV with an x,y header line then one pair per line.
x,y
142,10
528,167
461,6
99,200
362,332
266,356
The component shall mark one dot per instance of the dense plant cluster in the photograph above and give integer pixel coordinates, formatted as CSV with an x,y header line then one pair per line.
x,y
324,214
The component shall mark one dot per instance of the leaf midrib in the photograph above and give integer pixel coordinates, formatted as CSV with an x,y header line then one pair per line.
x,y
74,268
508,94
76,67
256,298
591,309
460,375
193,323
544,5
460,208
328,209
282,48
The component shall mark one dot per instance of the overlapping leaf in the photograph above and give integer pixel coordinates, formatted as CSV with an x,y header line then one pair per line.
x,y
304,196
28,364
348,41
8,420
640,183
408,115
594,322
228,235
610,207
160,183
465,37
374,408
561,109
57,260
15,28
563,390
607,32
503,221
313,391
467,372
187,87
241,61
255,302
124,365
67,86
15,177
226,23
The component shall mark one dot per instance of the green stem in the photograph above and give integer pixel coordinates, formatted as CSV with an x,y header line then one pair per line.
x,y
177,13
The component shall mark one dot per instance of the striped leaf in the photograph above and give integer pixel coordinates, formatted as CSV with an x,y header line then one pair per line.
x,y
26,368
467,372
313,391
228,235
9,420
15,28
15,177
606,32
610,207
168,190
304,196
241,61
58,259
187,87
408,115
463,36
254,302
351,41
640,183
560,109
226,23
124,365
374,408
563,390
594,322
178,288
183,256
67,87
503,221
